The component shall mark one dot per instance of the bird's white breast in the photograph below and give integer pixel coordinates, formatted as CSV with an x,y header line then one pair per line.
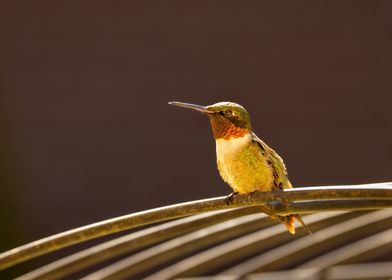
x,y
225,149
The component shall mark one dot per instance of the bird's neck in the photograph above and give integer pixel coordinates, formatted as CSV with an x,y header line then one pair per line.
x,y
224,129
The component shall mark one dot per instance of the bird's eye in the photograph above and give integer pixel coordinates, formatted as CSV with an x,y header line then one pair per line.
x,y
228,113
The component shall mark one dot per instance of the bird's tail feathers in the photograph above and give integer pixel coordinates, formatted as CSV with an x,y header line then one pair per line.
x,y
289,222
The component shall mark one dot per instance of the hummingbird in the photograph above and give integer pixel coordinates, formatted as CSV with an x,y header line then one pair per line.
x,y
245,162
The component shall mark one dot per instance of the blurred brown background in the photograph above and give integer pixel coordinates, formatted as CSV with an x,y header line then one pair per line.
x,y
86,132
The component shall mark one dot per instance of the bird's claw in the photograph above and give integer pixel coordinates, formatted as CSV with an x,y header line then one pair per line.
x,y
278,196
230,197
250,196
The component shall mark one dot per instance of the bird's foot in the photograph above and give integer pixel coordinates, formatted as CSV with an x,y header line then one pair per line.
x,y
250,196
264,207
229,198
278,195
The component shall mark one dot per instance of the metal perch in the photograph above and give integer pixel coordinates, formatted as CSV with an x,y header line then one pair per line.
x,y
302,200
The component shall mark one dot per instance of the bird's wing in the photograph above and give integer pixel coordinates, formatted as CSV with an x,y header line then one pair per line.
x,y
276,162
281,182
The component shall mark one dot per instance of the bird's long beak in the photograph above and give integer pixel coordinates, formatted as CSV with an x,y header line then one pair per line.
x,y
191,106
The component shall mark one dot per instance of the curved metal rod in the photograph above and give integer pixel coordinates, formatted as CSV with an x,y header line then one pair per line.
x,y
362,250
328,266
133,241
331,237
78,235
280,208
164,252
236,249
373,270
96,254
180,246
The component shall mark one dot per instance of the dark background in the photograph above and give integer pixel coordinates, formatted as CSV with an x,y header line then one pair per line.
x,y
86,132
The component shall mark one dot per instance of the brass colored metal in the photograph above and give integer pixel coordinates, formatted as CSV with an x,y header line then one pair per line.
x,y
291,201
133,241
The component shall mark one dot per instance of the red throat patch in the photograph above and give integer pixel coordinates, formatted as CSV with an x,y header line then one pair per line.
x,y
225,129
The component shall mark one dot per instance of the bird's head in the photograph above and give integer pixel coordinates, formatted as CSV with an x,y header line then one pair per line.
x,y
227,119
